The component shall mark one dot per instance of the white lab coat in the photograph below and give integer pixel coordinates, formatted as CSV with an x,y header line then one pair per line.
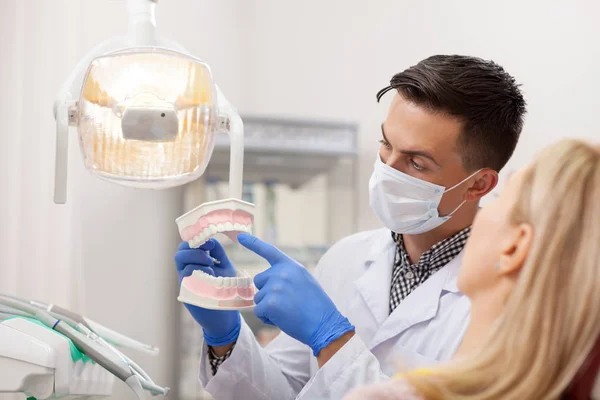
x,y
356,272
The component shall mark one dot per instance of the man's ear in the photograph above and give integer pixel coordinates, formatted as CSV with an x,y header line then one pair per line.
x,y
485,181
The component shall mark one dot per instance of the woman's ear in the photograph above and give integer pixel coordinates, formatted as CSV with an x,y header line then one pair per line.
x,y
486,180
516,250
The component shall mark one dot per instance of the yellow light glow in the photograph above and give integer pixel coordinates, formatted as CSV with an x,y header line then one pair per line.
x,y
174,82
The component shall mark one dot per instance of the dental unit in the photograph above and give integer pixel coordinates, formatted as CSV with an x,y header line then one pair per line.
x,y
49,352
146,114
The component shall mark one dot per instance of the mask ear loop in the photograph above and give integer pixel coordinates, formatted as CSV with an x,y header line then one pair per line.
x,y
456,209
457,185
464,180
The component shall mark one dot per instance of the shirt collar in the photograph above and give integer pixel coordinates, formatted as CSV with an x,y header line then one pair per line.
x,y
453,244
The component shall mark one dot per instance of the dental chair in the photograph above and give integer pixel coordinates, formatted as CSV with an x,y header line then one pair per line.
x,y
586,384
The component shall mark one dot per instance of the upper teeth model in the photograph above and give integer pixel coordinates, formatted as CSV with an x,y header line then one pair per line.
x,y
230,217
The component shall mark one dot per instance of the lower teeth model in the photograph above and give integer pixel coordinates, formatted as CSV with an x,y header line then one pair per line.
x,y
207,291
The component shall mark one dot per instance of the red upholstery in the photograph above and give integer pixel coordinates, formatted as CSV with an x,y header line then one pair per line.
x,y
582,385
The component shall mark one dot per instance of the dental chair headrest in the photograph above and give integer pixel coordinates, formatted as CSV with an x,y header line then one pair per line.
x,y
586,384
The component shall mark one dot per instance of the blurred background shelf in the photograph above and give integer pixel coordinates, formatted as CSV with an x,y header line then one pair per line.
x,y
287,151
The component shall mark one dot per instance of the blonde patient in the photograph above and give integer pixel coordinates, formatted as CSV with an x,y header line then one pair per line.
x,y
532,272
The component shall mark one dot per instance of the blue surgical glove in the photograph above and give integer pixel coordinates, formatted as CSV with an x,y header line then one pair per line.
x,y
290,298
220,327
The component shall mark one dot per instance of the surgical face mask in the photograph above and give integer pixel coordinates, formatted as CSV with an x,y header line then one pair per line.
x,y
405,204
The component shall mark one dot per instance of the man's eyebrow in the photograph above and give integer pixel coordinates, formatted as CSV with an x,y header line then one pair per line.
x,y
420,153
383,133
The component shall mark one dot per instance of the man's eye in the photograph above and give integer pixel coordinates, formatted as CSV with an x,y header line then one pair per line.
x,y
416,166
386,144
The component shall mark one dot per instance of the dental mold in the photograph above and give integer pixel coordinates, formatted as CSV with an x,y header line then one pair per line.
x,y
229,217
218,293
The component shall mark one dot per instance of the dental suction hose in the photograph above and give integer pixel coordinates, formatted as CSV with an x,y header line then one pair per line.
x,y
108,335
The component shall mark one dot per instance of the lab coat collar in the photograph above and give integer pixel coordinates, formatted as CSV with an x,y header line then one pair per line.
x,y
422,304
453,267
382,242
375,283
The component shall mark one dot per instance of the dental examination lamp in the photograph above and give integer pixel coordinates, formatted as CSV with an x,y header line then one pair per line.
x,y
146,113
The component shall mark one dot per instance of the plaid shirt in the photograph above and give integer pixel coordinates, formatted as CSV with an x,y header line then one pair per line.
x,y
406,277
216,361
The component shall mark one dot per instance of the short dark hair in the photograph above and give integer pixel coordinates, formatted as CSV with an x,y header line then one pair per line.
x,y
480,93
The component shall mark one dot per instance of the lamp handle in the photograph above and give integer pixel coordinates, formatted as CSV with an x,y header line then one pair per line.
x,y
236,136
62,152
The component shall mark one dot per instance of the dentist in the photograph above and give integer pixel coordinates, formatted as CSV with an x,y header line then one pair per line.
x,y
387,296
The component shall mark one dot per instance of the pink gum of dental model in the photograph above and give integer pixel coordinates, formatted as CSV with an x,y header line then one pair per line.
x,y
226,296
214,218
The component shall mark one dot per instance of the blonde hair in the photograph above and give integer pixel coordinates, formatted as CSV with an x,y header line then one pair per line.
x,y
552,319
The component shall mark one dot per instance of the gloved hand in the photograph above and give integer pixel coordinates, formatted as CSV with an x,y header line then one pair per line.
x,y
220,327
290,298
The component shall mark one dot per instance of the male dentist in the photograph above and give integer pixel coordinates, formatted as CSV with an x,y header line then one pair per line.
x,y
383,299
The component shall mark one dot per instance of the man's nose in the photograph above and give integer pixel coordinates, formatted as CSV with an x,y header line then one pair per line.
x,y
393,160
